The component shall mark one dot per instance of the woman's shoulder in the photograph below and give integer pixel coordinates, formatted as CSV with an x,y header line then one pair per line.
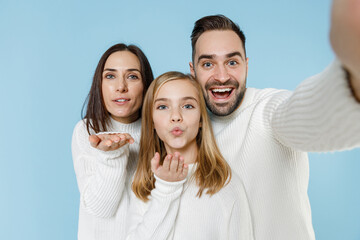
x,y
80,128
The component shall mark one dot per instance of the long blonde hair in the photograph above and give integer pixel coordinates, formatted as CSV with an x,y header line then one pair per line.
x,y
212,171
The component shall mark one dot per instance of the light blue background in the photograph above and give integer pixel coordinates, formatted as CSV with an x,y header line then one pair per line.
x,y
49,51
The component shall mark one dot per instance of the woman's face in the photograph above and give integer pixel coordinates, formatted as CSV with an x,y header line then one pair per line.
x,y
122,86
176,115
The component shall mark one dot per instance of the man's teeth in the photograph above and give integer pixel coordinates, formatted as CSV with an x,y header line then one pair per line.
x,y
221,90
120,100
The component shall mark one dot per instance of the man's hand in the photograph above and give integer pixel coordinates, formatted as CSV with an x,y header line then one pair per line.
x,y
173,168
110,142
345,38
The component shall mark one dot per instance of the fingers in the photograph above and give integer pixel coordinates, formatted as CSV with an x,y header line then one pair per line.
x,y
110,142
155,162
173,168
94,140
174,162
184,172
166,163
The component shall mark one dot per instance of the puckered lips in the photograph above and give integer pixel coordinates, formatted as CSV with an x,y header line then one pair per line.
x,y
121,101
221,93
177,131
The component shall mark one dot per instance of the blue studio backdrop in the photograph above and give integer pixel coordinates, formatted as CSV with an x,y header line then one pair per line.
x,y
48,54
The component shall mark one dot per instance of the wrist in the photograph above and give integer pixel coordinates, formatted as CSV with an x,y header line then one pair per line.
x,y
354,84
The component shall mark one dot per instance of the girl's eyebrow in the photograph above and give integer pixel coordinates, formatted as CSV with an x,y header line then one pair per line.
x,y
167,99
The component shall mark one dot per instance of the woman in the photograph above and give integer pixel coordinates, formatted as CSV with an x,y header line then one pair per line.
x,y
177,137
102,160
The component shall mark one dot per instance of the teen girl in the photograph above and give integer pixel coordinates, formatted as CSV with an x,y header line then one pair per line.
x,y
181,172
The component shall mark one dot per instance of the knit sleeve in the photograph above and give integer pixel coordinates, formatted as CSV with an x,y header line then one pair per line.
x,y
240,225
320,115
100,175
236,222
156,218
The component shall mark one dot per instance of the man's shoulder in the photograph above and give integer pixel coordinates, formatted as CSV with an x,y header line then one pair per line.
x,y
265,93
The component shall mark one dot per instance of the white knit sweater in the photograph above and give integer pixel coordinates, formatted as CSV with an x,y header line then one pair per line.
x,y
265,141
225,215
103,181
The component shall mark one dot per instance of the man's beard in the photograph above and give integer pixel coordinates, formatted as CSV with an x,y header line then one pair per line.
x,y
225,109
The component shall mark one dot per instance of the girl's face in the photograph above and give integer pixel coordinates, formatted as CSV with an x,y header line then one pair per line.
x,y
176,115
122,86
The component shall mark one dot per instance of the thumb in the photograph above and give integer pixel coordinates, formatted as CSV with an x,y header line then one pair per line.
x,y
94,140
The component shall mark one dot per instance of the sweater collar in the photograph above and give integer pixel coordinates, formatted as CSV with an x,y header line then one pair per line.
x,y
133,127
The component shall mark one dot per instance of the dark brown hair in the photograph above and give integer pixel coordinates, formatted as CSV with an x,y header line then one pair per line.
x,y
97,117
214,22
212,172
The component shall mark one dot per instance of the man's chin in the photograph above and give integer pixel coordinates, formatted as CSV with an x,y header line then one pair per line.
x,y
221,109
224,108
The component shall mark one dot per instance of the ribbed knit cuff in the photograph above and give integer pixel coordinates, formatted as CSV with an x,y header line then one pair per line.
x,y
114,154
165,187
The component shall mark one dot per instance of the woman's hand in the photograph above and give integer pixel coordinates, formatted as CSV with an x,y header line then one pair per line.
x,y
110,142
173,168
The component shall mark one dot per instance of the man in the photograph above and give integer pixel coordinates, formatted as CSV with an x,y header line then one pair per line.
x,y
264,134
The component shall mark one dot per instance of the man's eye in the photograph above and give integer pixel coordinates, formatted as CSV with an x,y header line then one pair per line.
x,y
161,107
232,63
188,106
207,64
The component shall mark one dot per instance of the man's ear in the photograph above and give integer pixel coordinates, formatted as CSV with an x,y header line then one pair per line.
x,y
192,71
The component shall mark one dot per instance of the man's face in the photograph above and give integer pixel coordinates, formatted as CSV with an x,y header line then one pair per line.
x,y
220,66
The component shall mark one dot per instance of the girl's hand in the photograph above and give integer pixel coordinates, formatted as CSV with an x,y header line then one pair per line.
x,y
173,168
110,142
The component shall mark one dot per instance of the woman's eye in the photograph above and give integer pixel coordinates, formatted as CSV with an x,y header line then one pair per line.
x,y
110,76
161,107
188,106
132,76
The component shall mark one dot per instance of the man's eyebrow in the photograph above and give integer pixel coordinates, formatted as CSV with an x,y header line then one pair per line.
x,y
229,55
212,56
206,56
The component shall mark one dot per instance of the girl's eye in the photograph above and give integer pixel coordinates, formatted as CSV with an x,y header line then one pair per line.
x,y
109,76
188,106
207,64
161,107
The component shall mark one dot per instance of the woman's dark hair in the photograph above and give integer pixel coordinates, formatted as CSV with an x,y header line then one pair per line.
x,y
97,117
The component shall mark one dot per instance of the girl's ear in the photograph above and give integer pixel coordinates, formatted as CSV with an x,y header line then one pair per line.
x,y
200,124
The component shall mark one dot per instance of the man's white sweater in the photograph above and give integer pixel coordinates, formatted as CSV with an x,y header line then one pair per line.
x,y
266,139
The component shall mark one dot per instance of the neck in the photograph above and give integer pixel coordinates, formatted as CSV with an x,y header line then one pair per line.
x,y
189,153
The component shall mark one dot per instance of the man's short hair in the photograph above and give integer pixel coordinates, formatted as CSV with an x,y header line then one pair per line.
x,y
214,22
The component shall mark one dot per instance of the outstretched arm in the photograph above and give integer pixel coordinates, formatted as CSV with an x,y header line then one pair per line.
x,y
345,39
100,167
323,113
